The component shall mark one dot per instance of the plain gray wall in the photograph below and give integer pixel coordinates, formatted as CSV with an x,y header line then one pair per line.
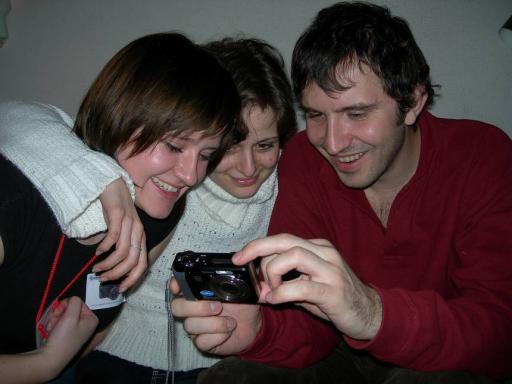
x,y
56,47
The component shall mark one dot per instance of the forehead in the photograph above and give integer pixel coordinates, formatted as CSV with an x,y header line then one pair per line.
x,y
193,136
261,123
354,84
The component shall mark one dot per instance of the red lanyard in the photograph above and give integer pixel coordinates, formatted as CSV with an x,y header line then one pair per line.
x,y
49,282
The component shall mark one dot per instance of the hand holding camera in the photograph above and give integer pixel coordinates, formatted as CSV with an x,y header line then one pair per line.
x,y
212,276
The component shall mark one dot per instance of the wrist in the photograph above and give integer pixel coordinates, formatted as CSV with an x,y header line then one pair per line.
x,y
374,317
39,366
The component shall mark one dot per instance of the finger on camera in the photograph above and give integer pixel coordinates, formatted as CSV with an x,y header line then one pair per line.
x,y
300,291
264,289
174,286
296,259
199,308
268,246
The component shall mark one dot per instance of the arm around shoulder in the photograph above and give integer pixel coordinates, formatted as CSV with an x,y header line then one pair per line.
x,y
37,138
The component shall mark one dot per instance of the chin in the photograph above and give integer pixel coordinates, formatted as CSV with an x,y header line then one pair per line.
x,y
354,182
158,213
244,194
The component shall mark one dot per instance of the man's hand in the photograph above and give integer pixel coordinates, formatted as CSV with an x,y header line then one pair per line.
x,y
214,327
125,230
326,287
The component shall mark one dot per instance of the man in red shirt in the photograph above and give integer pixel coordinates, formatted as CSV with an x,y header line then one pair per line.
x,y
413,271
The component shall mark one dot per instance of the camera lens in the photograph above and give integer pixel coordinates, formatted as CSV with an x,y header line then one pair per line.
x,y
230,288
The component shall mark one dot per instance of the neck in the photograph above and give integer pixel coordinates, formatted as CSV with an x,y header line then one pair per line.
x,y
383,192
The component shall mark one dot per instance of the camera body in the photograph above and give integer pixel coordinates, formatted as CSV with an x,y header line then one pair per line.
x,y
212,276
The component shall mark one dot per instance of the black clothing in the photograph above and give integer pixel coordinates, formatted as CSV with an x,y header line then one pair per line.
x,y
30,235
101,367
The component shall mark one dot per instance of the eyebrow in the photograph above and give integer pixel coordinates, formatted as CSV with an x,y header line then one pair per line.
x,y
268,139
353,107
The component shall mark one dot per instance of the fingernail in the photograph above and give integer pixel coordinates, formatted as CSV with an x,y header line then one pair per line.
x,y
95,269
215,307
231,323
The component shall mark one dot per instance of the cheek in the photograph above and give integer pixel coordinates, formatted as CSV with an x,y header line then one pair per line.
x,y
134,167
202,168
268,159
314,133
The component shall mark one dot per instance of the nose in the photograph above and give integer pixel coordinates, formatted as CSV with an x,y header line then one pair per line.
x,y
245,162
337,136
187,170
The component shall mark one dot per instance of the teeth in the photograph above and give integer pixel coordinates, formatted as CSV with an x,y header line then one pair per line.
x,y
351,158
163,186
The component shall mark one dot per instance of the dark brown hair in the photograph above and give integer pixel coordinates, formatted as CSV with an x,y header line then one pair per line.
x,y
165,85
355,33
259,74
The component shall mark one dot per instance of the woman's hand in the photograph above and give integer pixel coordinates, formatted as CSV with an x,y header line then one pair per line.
x,y
126,231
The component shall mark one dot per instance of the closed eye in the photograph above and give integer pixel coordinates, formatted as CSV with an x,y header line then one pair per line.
x,y
266,146
172,147
357,115
206,158
312,115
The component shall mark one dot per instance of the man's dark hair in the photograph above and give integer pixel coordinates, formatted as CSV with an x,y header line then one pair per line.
x,y
358,33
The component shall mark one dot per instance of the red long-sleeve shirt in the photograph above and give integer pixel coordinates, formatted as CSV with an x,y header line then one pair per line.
x,y
442,267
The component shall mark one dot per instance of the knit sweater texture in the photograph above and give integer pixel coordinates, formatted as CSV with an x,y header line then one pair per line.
x,y
38,139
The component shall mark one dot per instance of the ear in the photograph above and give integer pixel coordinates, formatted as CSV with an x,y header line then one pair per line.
x,y
420,98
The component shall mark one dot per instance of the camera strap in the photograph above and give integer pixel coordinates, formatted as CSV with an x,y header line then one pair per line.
x,y
40,327
171,337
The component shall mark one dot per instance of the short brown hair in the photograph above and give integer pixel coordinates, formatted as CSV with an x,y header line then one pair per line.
x,y
164,84
259,74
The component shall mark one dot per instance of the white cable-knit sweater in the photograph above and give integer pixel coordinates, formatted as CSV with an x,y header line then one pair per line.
x,y
36,138
213,221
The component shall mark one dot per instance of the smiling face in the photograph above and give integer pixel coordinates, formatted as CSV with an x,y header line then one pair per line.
x,y
358,132
245,167
163,172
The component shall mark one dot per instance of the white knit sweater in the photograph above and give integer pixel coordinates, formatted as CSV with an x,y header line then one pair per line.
x,y
214,221
37,139
71,177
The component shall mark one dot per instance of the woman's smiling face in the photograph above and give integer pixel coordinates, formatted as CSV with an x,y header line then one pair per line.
x,y
246,166
163,172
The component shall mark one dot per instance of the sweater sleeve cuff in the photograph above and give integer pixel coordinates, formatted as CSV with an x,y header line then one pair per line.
x,y
79,209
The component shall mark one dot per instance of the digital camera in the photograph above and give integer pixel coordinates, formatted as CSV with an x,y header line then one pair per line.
x,y
212,276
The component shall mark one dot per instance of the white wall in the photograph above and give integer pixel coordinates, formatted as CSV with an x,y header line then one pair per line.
x,y
56,47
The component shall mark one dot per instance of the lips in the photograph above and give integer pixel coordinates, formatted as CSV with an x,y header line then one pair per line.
x,y
165,189
348,163
245,182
